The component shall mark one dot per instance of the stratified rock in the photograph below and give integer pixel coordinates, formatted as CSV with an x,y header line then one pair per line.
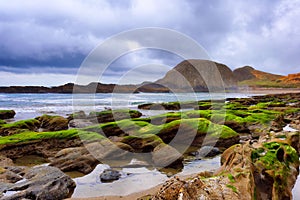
x,y
109,175
7,114
53,123
42,183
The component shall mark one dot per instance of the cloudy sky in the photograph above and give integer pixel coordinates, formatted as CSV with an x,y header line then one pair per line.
x,y
45,42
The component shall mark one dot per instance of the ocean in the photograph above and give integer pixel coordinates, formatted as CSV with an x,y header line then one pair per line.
x,y
33,105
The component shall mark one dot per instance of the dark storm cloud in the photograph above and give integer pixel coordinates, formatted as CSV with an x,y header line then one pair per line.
x,y
52,37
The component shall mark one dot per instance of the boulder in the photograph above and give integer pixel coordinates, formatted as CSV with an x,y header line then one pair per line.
x,y
7,114
42,183
53,123
109,175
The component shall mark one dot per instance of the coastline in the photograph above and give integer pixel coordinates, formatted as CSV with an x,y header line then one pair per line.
x,y
155,189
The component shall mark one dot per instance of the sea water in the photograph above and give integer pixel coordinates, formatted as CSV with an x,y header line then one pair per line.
x,y
33,105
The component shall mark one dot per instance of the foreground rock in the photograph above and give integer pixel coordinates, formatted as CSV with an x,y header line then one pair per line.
x,y
7,114
260,171
41,183
109,175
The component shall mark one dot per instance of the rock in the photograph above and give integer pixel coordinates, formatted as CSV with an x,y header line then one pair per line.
x,y
143,143
77,115
19,126
261,171
84,159
42,183
7,114
207,151
166,156
53,123
80,123
74,159
109,175
113,115
43,147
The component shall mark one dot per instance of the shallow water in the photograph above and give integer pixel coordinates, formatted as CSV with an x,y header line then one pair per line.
x,y
134,179
296,189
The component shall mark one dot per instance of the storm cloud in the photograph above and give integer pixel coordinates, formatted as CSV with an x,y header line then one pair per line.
x,y
40,39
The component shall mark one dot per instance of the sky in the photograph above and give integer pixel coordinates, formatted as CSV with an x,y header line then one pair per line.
x,y
46,42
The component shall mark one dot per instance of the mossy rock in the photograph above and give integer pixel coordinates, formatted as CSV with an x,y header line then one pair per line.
x,y
197,128
19,126
275,161
176,105
53,123
7,114
114,115
118,128
143,143
166,118
36,136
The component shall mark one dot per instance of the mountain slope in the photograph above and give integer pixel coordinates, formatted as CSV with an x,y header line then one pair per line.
x,y
251,77
198,75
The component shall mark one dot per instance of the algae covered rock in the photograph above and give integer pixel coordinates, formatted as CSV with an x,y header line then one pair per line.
x,y
19,127
114,115
7,114
53,123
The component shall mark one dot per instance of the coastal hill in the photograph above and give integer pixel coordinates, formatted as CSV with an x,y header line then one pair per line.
x,y
254,78
198,75
188,76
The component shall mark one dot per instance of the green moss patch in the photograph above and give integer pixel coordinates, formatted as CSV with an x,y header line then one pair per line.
x,y
275,159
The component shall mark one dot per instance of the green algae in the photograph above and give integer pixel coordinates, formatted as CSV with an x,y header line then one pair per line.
x,y
22,124
275,159
65,134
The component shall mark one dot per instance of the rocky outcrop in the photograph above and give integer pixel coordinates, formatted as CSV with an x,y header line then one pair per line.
x,y
40,183
7,114
264,170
